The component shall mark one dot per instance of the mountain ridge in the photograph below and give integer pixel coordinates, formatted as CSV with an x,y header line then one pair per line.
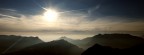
x,y
11,43
114,40
56,47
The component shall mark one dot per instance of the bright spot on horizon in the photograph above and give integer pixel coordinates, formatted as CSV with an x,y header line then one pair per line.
x,y
50,15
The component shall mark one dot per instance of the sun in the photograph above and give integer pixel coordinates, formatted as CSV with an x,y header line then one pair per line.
x,y
50,15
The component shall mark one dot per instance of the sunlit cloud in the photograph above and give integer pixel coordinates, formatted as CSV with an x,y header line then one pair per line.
x,y
80,22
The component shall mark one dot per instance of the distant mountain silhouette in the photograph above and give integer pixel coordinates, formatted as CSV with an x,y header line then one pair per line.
x,y
80,43
116,40
105,50
10,43
73,41
57,47
112,40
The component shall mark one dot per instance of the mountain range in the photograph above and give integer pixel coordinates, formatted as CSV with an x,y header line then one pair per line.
x,y
113,44
57,47
113,40
11,43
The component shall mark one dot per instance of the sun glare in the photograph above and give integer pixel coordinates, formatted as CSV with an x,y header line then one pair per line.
x,y
50,15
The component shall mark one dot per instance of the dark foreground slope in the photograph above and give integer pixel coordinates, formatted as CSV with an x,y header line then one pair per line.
x,y
10,43
113,40
58,47
105,50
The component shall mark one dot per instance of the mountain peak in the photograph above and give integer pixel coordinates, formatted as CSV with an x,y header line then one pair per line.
x,y
66,38
63,37
58,41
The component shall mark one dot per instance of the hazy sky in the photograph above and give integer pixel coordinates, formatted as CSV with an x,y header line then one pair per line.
x,y
77,18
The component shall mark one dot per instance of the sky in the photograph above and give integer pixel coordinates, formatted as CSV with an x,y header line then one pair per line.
x,y
77,18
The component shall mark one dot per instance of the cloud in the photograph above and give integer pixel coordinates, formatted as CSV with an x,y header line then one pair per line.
x,y
94,9
67,23
9,13
12,10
